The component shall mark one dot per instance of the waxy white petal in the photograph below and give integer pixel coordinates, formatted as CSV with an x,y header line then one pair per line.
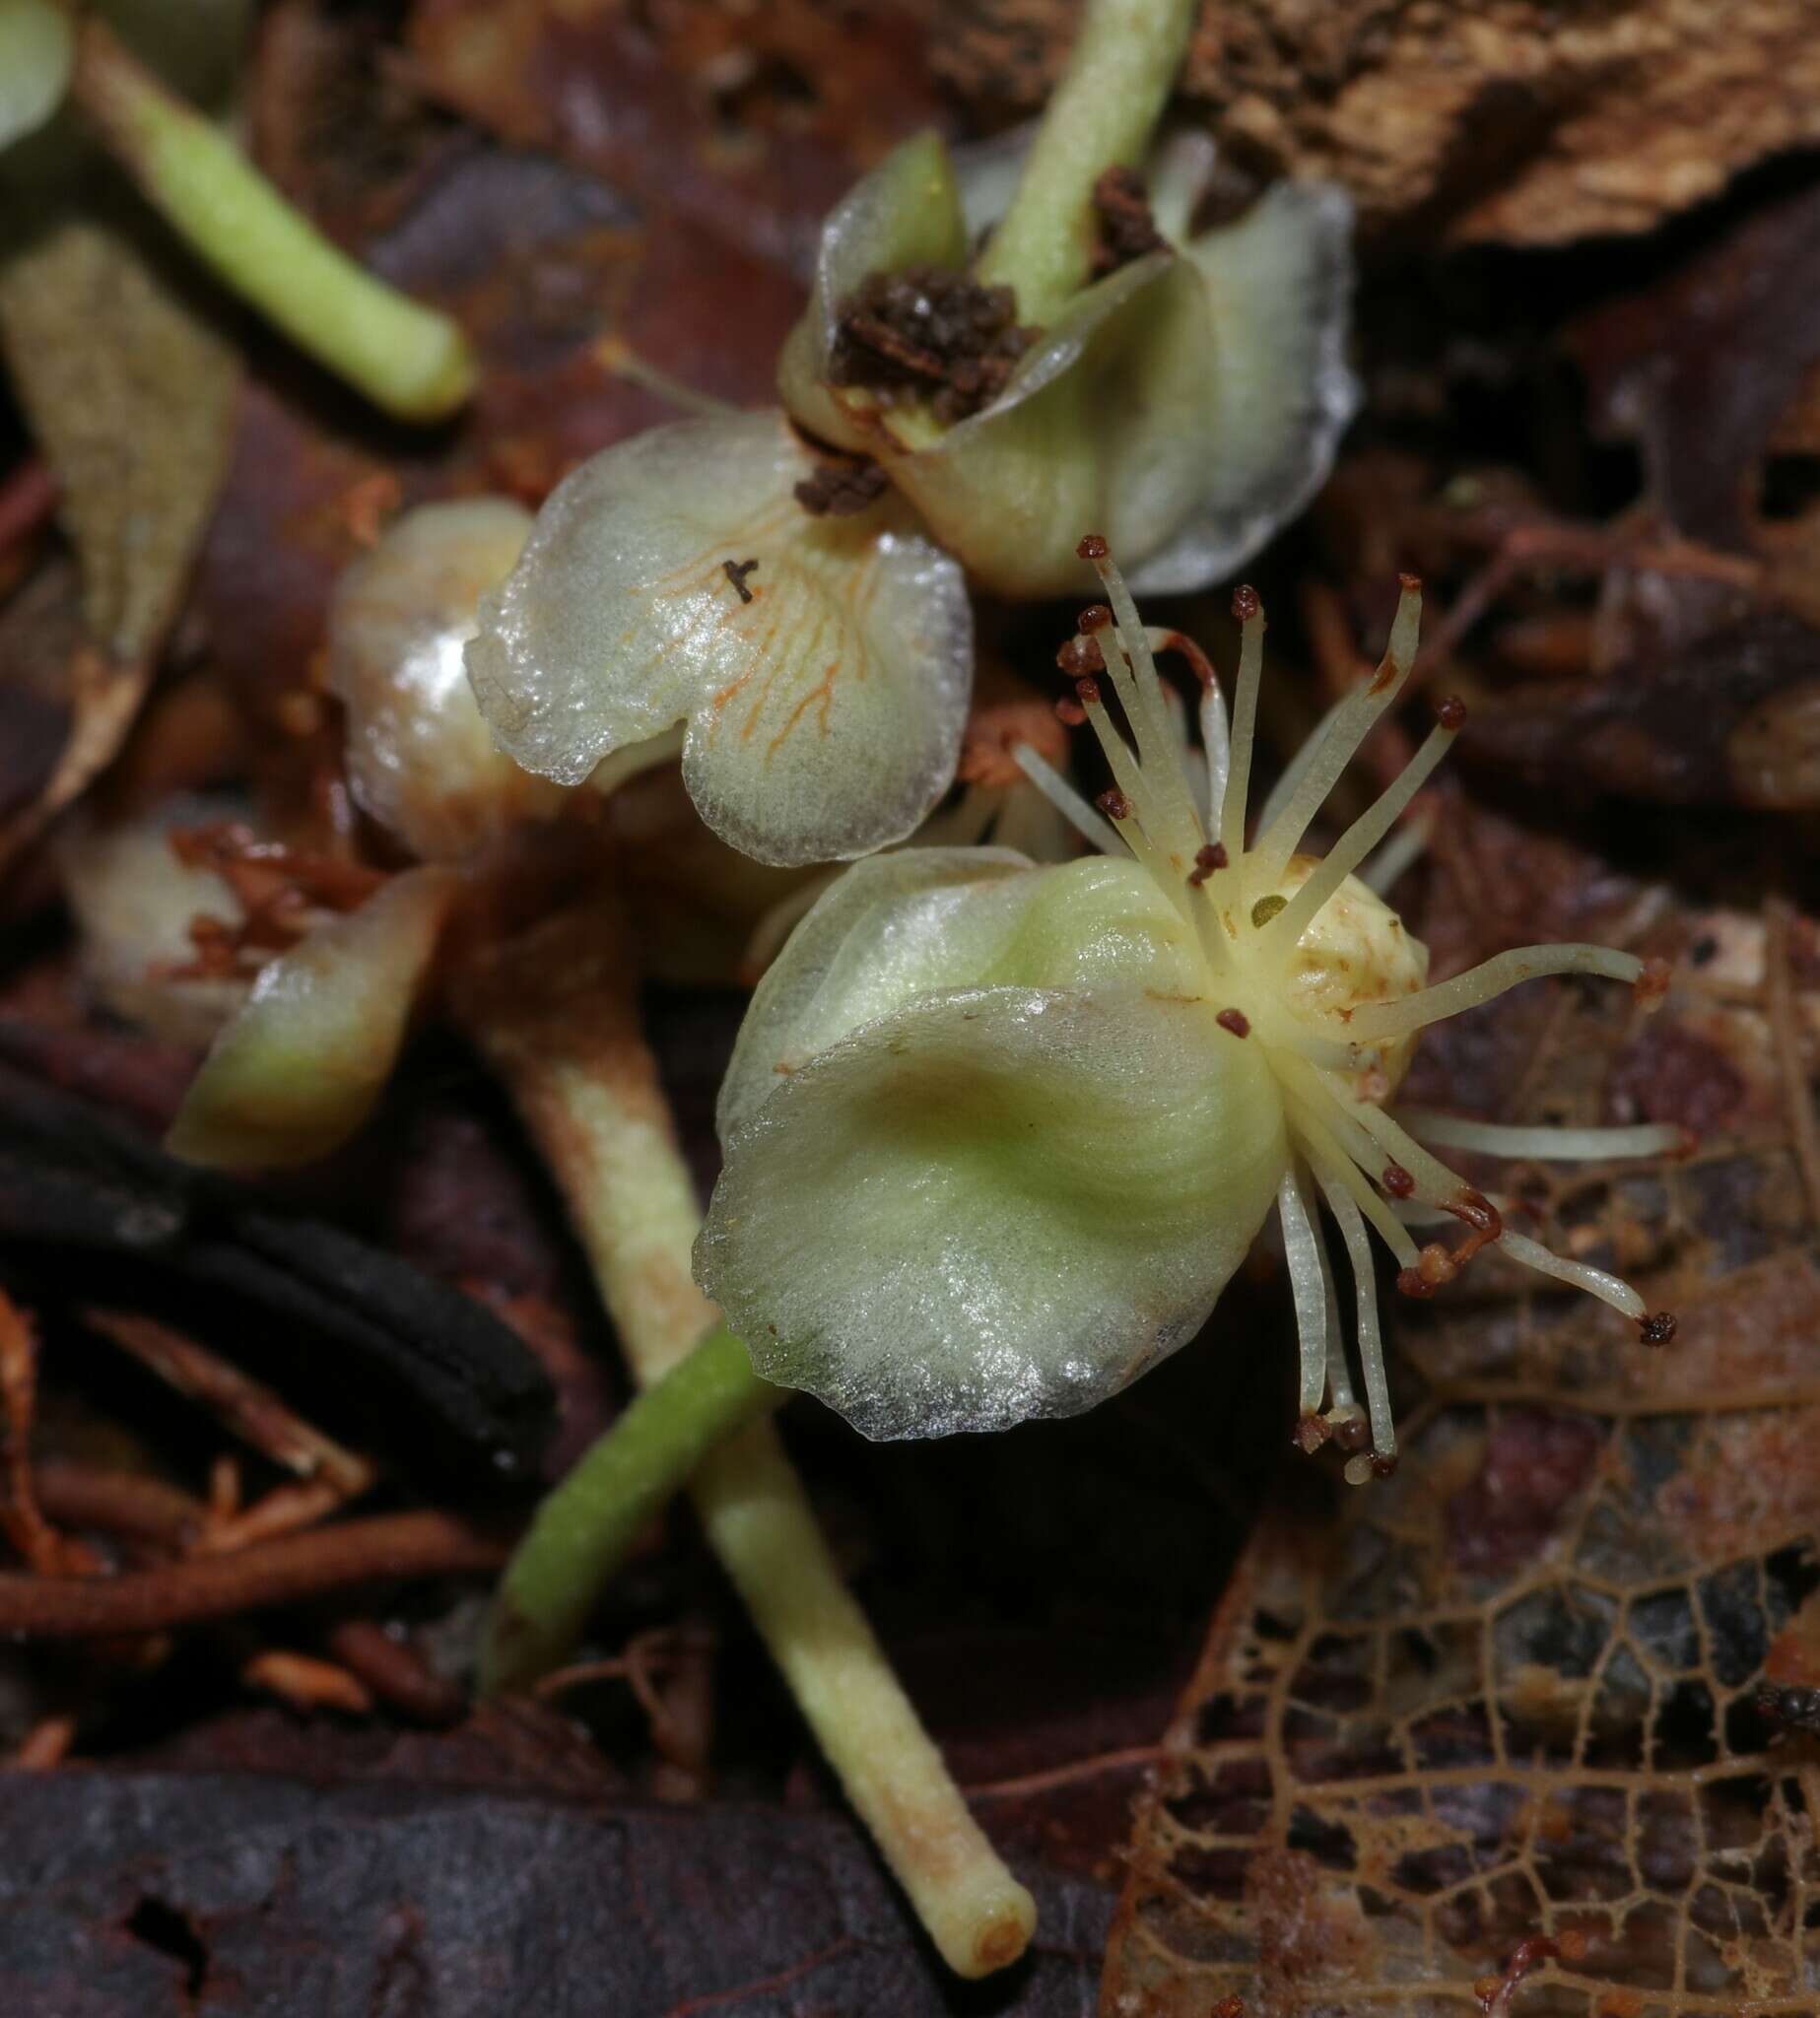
x,y
824,706
994,1204
419,758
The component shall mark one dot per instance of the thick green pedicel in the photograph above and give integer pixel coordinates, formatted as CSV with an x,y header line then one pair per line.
x,y
585,1529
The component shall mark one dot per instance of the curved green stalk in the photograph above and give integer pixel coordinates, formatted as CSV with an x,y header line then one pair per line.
x,y
1101,116
583,1529
410,359
555,1013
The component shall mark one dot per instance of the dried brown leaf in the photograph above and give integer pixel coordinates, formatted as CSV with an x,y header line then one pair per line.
x,y
1520,1692
130,392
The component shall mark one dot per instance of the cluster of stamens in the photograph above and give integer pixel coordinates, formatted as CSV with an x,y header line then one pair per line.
x,y
1184,819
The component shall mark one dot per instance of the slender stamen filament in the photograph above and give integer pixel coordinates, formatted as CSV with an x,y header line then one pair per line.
x,y
1308,1285
1378,1021
1332,1164
1355,720
1400,852
1544,1144
1216,737
1249,612
1360,838
1609,1288
1069,803
1371,1340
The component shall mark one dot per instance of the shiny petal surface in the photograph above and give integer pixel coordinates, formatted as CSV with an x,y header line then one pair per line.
x,y
37,46
824,705
304,1064
911,924
1274,311
994,1204
419,758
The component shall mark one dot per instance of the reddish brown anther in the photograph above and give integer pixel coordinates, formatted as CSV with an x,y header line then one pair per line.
x,y
1383,1466
1352,1433
1658,1329
1095,617
1397,1181
1093,547
1114,804
1451,711
1070,713
1310,1432
1081,655
1412,582
1087,692
1246,605
1651,986
1437,1264
1206,859
1236,1020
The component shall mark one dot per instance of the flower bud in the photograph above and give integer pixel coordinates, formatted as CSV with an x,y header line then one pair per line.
x,y
421,760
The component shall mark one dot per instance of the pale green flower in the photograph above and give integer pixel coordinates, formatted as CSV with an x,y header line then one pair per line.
x,y
819,667
1190,402
997,1135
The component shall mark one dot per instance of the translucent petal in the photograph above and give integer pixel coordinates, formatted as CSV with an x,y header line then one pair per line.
x,y
304,1064
420,758
1277,288
1104,427
825,706
905,925
37,46
994,1204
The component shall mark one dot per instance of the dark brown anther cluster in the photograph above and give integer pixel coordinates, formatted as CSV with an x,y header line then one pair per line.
x,y
736,573
1208,857
1114,804
1312,1431
1127,231
839,489
929,329
1397,1181
1658,1329
1236,1020
1246,605
1451,711
1093,547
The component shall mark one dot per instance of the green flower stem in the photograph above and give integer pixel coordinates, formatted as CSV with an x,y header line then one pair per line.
x,y
408,358
1101,116
555,1012
585,1529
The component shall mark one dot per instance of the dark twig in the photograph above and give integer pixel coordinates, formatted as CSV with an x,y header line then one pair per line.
x,y
275,1573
